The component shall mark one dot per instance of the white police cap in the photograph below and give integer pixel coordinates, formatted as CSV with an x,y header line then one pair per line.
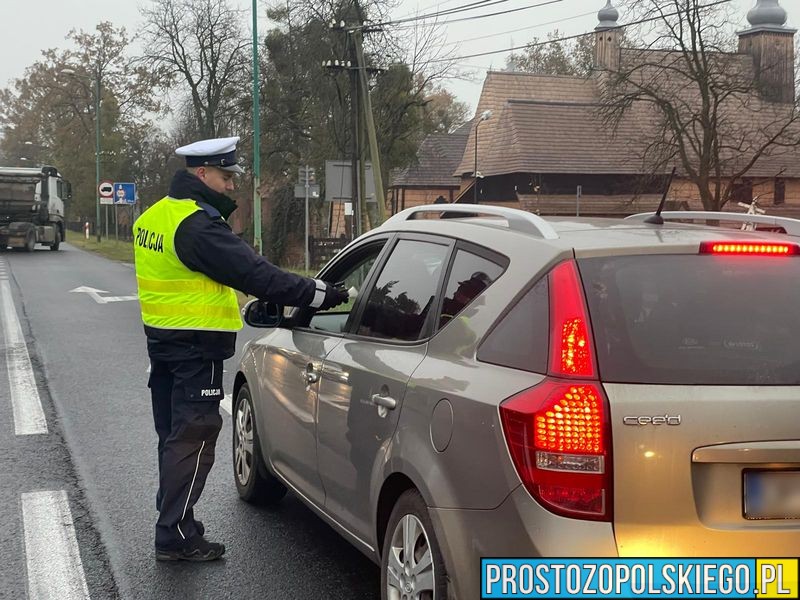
x,y
216,152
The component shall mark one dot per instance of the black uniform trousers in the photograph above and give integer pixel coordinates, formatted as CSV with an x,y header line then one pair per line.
x,y
186,397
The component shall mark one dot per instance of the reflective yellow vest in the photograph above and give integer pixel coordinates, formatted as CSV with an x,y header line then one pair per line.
x,y
171,295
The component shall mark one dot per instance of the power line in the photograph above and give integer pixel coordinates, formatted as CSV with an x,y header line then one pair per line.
x,y
495,14
539,25
567,38
438,5
451,11
433,15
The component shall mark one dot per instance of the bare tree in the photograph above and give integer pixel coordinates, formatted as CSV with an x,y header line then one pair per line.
x,y
48,115
200,43
701,104
556,57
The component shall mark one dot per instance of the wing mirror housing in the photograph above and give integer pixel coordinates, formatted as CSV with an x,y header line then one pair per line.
x,y
258,313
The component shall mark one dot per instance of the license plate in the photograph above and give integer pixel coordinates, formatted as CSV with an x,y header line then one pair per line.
x,y
772,495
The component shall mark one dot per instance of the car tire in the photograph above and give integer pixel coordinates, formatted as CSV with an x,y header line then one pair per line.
x,y
57,242
420,573
30,242
254,482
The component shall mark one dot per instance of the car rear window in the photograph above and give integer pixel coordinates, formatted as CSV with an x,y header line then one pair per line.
x,y
692,319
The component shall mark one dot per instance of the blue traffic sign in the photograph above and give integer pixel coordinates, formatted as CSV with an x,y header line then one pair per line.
x,y
124,193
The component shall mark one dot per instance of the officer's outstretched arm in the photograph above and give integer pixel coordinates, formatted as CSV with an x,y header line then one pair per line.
x,y
207,245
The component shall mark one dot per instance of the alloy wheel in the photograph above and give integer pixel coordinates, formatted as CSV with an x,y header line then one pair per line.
x,y
243,451
410,568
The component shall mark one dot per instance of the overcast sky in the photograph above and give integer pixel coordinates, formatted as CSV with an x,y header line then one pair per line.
x,y
28,27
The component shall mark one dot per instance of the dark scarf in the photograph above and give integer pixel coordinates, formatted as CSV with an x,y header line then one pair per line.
x,y
187,186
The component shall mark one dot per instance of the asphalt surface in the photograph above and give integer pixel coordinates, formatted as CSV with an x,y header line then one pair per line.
x,y
90,364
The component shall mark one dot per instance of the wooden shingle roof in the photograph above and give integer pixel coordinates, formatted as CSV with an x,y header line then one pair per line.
x,y
502,86
546,124
436,160
562,137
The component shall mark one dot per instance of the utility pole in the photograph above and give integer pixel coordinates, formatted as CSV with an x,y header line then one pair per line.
x,y
256,139
97,148
96,83
369,124
306,186
362,166
362,125
361,213
355,179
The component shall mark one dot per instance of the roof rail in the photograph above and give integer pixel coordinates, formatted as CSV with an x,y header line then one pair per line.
x,y
518,220
791,226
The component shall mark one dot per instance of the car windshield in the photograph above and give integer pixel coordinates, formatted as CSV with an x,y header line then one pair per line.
x,y
688,319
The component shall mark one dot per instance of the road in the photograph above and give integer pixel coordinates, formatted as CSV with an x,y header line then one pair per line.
x,y
88,366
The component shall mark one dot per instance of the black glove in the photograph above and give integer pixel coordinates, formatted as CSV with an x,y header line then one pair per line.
x,y
334,296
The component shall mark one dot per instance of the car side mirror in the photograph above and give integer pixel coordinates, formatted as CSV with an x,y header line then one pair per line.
x,y
258,313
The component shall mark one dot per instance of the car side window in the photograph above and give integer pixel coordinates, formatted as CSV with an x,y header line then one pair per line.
x,y
520,339
353,275
404,294
470,275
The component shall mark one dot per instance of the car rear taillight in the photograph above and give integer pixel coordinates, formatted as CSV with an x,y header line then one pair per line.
x,y
571,348
558,432
750,248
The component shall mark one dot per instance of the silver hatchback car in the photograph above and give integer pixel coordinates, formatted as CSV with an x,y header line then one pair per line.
x,y
505,385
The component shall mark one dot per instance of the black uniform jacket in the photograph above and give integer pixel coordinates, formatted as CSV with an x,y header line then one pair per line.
x,y
205,243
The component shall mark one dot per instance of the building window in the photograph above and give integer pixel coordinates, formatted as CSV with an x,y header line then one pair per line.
x,y
780,191
743,191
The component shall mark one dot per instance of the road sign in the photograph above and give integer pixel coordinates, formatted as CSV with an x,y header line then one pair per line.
x,y
306,174
106,189
338,181
300,191
124,193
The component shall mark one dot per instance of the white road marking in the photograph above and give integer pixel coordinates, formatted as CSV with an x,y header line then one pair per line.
x,y
225,403
55,571
95,295
28,414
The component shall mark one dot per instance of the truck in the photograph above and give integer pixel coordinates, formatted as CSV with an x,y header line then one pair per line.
x,y
32,207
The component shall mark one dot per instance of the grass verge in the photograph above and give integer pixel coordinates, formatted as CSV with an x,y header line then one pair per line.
x,y
110,248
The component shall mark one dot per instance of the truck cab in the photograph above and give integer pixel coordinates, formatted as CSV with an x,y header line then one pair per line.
x,y
32,207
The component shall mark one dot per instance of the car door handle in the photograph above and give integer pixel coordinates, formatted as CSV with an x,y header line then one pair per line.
x,y
310,375
384,401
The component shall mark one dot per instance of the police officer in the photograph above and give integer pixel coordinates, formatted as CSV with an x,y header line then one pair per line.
x,y
188,263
